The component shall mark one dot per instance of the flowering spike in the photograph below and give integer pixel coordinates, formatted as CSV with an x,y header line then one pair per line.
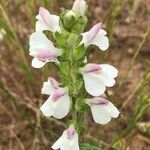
x,y
71,62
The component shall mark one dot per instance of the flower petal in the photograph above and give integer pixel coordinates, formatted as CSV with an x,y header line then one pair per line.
x,y
49,86
100,114
113,111
74,144
39,41
46,21
110,70
59,142
108,81
96,36
101,41
65,143
79,7
94,84
36,63
41,26
47,108
62,107
91,34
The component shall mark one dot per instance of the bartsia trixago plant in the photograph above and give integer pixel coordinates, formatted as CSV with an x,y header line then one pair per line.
x,y
82,84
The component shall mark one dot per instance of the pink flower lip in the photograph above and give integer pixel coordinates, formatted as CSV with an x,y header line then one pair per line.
x,y
57,94
70,133
99,101
46,54
91,68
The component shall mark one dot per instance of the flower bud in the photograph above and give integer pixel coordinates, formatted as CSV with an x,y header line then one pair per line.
x,y
79,7
68,19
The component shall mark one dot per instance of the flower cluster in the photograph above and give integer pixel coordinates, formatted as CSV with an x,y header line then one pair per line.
x,y
69,53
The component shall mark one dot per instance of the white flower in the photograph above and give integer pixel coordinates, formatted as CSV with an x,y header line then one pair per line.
x,y
58,103
79,7
42,50
68,140
97,77
102,110
46,21
96,36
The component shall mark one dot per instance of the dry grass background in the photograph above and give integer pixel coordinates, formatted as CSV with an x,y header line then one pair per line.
x,y
22,126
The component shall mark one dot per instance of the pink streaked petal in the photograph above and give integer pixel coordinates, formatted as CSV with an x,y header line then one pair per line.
x,y
57,94
44,13
91,68
46,54
95,30
70,133
99,101
61,106
46,21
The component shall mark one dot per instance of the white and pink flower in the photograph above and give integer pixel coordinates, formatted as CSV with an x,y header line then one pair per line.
x,y
46,21
102,110
68,140
96,36
42,50
79,7
97,77
58,103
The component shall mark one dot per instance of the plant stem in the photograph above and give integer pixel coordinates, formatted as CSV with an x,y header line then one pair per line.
x,y
131,95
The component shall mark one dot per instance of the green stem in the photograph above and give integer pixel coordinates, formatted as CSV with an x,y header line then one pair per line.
x,y
73,77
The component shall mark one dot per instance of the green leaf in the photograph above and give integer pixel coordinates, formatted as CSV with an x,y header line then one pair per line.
x,y
67,20
60,40
64,68
73,40
79,53
79,25
80,105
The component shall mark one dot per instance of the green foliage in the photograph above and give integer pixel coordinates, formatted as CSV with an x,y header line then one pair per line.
x,y
80,105
120,145
85,146
113,14
79,53
72,23
27,72
143,103
79,25
67,19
